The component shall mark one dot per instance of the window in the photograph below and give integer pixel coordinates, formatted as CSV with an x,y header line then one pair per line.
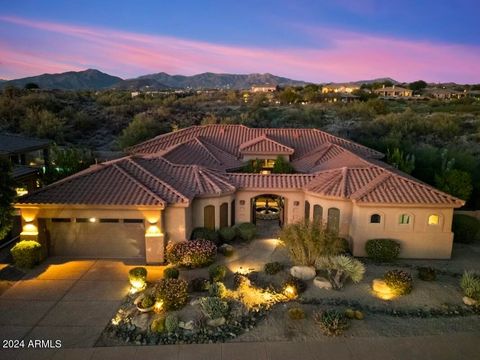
x,y
433,219
109,220
307,210
133,221
81,220
209,217
60,219
375,219
317,213
333,220
404,219
224,215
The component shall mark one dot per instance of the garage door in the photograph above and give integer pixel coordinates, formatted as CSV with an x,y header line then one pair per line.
x,y
99,239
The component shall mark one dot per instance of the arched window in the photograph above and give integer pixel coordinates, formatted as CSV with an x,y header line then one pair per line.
x,y
209,217
404,219
375,219
333,221
224,215
307,210
317,213
433,219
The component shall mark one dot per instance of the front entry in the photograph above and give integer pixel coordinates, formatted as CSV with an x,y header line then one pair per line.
x,y
268,214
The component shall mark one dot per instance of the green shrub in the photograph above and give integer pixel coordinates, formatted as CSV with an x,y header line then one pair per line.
x,y
331,322
340,268
427,274
147,301
191,254
273,268
246,231
171,273
173,293
171,323
217,272
227,234
470,284
26,253
217,289
158,325
296,313
345,247
213,307
299,285
465,228
205,234
382,249
199,284
137,274
399,281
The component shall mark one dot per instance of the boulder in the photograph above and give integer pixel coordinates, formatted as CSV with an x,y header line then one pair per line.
x,y
469,301
186,325
322,283
141,321
303,272
216,322
226,249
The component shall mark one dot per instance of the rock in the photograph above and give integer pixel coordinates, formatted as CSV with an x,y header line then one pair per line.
x,y
141,321
322,283
186,325
226,249
303,272
469,301
216,322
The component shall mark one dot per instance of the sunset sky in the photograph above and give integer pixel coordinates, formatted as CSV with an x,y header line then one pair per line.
x,y
318,41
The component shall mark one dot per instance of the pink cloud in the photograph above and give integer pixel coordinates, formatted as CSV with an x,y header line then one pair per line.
x,y
342,56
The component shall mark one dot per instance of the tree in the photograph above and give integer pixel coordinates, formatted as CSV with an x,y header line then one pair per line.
x,y
455,182
281,166
31,86
145,126
7,197
417,86
403,162
288,96
67,161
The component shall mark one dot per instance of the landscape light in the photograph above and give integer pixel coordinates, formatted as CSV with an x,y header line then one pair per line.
x,y
158,307
290,291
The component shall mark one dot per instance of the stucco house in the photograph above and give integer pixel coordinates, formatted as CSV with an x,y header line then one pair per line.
x,y
393,91
167,186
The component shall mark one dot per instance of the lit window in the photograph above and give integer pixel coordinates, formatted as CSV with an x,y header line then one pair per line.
x,y
433,220
404,219
21,191
375,219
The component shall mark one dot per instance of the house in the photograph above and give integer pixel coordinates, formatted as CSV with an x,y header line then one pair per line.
x,y
393,91
340,88
263,88
340,97
28,157
133,206
445,94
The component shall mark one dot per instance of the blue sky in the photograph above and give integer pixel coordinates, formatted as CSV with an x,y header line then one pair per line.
x,y
301,38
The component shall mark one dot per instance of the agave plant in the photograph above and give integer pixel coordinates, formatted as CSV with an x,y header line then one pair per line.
x,y
339,268
470,284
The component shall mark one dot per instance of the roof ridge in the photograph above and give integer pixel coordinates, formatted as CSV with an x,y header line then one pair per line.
x,y
377,181
197,139
344,182
207,178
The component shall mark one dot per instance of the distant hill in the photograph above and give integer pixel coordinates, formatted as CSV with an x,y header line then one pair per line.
x,y
73,80
220,81
140,84
378,80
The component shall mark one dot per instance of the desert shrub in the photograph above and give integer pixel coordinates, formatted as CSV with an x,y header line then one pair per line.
x,y
227,234
331,322
382,249
296,313
26,253
306,241
470,284
147,301
206,234
173,293
217,272
171,323
273,267
191,254
339,268
399,281
345,247
137,275
217,289
350,313
465,228
246,231
199,284
299,285
213,307
158,325
171,273
427,274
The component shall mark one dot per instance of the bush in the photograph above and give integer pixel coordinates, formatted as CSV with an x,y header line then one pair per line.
x,y
213,307
296,313
306,241
217,289
340,268
199,284
470,284
26,253
273,268
173,293
158,325
427,274
205,234
400,282
299,285
331,322
382,249
227,234
465,228
246,231
171,323
137,275
171,273
191,254
217,272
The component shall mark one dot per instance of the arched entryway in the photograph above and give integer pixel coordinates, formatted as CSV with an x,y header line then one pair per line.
x,y
268,214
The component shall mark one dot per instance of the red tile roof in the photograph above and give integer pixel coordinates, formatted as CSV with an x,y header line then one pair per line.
x,y
264,145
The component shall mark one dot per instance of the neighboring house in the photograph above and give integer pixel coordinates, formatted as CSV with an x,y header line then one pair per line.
x,y
28,156
339,88
393,91
167,186
444,94
340,97
263,88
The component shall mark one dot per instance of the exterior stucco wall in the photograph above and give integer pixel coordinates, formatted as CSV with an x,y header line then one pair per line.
x,y
176,224
418,239
199,204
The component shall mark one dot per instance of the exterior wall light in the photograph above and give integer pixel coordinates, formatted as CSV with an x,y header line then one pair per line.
x,y
92,220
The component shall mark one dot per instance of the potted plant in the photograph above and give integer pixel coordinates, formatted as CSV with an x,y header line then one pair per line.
x,y
145,303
